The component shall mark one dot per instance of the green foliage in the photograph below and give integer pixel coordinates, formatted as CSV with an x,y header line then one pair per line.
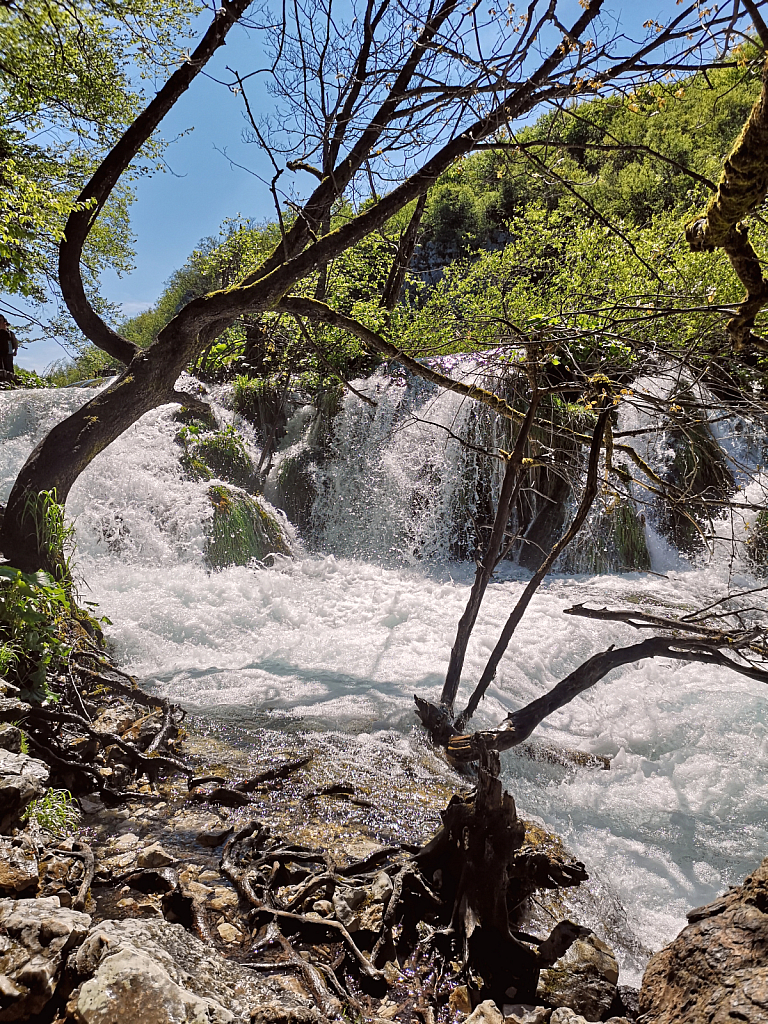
x,y
219,453
55,539
757,544
33,610
66,93
55,812
241,530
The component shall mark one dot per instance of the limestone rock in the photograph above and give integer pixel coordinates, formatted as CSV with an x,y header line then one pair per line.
x,y
228,932
35,935
22,779
526,1013
154,857
485,1013
10,738
175,966
130,986
716,970
18,867
583,980
564,1015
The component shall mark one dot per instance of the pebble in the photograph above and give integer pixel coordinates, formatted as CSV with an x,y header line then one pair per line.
x,y
228,932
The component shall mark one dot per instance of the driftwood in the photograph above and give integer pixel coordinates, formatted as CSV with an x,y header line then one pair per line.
x,y
747,656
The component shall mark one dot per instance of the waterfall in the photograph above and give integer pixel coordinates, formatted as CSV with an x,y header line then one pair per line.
x,y
341,635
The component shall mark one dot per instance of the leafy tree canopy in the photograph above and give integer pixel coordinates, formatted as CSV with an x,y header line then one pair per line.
x,y
70,81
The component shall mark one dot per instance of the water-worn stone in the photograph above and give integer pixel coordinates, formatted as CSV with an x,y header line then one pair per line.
x,y
214,837
154,856
526,1013
583,980
22,779
716,970
485,1013
18,867
35,935
178,967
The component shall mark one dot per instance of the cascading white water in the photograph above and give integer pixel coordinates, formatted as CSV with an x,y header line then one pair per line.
x,y
329,641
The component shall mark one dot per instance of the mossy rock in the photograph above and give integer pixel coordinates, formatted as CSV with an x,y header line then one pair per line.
x,y
613,539
700,472
215,453
629,538
295,489
241,529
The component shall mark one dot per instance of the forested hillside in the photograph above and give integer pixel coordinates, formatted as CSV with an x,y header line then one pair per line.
x,y
573,229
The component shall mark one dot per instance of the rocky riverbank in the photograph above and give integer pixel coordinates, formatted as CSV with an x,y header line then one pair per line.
x,y
196,879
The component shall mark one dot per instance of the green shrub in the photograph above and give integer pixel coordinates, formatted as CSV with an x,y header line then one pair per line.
x,y
33,609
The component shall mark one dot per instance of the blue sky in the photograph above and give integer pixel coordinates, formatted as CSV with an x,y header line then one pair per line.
x,y
177,208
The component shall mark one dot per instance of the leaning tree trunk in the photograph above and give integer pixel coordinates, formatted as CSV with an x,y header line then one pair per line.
x,y
71,445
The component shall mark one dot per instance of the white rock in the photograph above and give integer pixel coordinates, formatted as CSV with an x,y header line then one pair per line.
x,y
131,986
485,1013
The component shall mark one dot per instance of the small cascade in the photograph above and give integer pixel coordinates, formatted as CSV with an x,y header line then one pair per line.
x,y
341,635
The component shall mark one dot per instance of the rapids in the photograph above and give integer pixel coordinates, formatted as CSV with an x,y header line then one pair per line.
x,y
341,637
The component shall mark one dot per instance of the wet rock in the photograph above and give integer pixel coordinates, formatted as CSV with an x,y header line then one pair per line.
x,y
583,980
35,936
626,1003
18,868
485,1013
214,837
173,962
154,856
717,968
126,841
459,1001
22,779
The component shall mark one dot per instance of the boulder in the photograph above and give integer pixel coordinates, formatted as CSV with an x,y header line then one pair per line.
x,y
584,980
22,780
526,1013
716,970
35,936
129,985
149,966
563,1015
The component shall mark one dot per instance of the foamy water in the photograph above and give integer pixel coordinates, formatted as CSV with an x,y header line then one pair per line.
x,y
333,643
